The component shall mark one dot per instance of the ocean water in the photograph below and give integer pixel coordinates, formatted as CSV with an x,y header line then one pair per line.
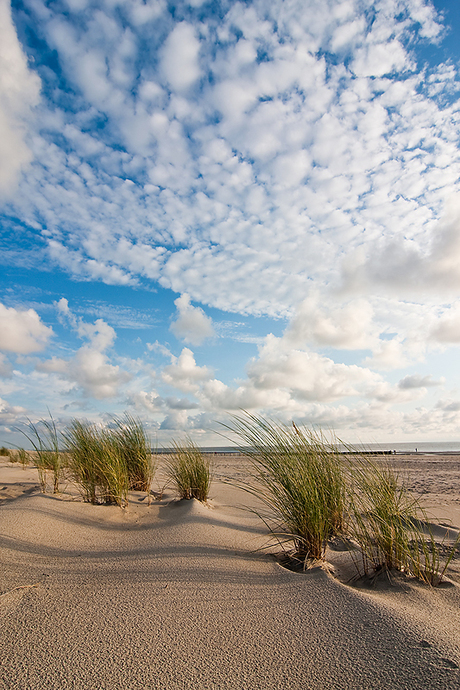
x,y
420,447
412,447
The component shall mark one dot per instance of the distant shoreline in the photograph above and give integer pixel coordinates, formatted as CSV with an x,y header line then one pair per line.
x,y
357,451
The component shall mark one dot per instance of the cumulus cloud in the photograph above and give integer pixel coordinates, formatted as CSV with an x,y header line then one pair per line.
x,y
191,325
344,325
100,335
279,378
402,265
184,374
308,375
146,400
180,57
19,93
447,328
89,370
177,420
5,367
216,395
418,381
288,377
9,413
389,354
92,372
22,331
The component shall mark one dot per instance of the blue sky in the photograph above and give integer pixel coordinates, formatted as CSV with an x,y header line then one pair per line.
x,y
215,206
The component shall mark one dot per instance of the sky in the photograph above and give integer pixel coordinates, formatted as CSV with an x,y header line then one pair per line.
x,y
213,206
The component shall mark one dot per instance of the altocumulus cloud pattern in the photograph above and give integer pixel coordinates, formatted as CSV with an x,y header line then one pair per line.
x,y
291,166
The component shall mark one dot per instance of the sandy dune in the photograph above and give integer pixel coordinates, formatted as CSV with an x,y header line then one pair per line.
x,y
176,595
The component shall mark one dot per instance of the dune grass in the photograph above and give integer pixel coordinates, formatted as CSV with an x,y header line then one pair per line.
x,y
23,457
4,451
96,463
383,516
189,471
20,455
299,478
135,448
392,527
44,438
430,559
104,462
311,492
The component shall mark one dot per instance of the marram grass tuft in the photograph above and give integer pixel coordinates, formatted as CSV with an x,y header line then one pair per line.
x,y
189,471
298,476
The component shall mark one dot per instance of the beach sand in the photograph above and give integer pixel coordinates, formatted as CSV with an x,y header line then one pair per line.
x,y
179,595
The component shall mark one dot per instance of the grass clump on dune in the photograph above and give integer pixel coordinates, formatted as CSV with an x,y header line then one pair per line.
x,y
391,527
44,439
135,448
20,455
189,471
382,516
430,559
96,463
311,492
23,457
298,476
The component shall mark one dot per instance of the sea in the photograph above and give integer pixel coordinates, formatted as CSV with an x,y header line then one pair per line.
x,y
414,447
398,448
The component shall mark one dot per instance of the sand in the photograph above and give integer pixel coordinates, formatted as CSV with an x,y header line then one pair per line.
x,y
177,595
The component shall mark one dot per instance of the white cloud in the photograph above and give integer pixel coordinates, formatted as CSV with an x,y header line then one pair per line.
x,y
147,400
9,413
401,265
344,325
280,378
306,374
160,348
5,367
388,354
418,381
215,395
90,269
393,395
308,164
99,333
375,60
191,325
92,372
347,33
180,57
177,420
22,331
19,93
447,328
184,374
89,370
143,12
242,165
